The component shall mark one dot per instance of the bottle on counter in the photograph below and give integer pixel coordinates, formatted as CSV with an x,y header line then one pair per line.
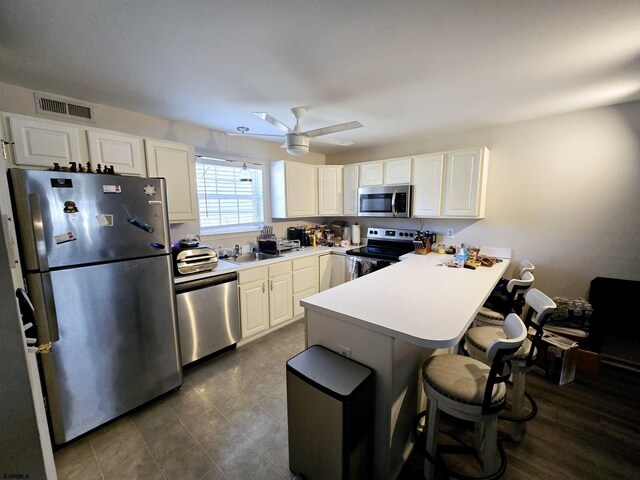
x,y
460,256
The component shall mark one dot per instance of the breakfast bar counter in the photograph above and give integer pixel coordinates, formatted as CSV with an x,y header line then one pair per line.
x,y
391,321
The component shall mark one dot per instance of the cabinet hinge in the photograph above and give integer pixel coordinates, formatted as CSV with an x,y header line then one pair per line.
x,y
44,348
4,147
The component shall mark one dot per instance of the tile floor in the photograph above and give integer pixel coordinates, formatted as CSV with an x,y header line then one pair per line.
x,y
227,421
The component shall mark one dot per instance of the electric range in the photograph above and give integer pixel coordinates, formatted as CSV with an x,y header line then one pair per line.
x,y
386,244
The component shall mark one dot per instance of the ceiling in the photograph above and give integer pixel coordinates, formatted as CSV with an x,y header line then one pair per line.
x,y
402,68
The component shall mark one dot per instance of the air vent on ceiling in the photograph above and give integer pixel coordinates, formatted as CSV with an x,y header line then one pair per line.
x,y
63,107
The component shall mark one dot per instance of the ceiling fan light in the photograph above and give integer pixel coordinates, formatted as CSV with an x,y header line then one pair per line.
x,y
297,144
297,150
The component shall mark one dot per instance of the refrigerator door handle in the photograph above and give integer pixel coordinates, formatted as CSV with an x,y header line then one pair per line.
x,y
38,232
41,293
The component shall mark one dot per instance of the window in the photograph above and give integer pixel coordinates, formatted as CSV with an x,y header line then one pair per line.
x,y
226,203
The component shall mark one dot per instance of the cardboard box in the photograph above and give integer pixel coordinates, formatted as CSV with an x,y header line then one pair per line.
x,y
588,362
557,357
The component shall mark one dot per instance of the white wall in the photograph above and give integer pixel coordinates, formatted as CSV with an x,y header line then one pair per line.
x,y
564,193
15,99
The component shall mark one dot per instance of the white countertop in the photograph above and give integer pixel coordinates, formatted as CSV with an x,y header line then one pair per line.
x,y
228,267
418,300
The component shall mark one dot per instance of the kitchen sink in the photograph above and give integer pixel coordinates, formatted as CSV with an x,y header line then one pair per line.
x,y
251,257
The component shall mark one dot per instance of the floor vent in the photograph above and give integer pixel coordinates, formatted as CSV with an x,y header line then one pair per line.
x,y
63,107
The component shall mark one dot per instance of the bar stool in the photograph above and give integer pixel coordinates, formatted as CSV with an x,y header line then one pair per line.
x,y
470,390
478,339
524,267
495,309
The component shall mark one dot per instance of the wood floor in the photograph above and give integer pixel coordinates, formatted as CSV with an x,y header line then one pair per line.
x,y
587,429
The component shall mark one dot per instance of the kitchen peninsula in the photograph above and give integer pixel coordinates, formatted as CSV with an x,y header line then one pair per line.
x,y
391,321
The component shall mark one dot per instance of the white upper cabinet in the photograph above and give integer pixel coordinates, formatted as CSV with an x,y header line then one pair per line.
x,y
350,189
465,183
427,185
41,143
176,163
294,189
371,173
122,151
397,171
330,190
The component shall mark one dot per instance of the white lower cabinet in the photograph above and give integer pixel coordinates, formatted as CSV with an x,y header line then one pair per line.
x,y
265,297
332,270
254,301
305,281
338,269
324,271
280,293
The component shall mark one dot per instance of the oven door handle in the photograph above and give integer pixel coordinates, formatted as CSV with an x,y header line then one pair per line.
x,y
393,203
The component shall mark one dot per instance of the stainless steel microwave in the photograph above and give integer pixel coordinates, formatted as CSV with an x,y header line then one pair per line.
x,y
384,201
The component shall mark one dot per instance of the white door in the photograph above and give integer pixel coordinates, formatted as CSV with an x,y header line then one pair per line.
x,y
302,189
397,171
122,151
338,269
427,185
325,272
330,190
462,183
280,299
371,173
350,189
176,163
254,308
41,143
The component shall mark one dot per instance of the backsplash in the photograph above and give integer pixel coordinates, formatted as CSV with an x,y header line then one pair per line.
x,y
229,240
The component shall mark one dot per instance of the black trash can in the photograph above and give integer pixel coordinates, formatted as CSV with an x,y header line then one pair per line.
x,y
330,407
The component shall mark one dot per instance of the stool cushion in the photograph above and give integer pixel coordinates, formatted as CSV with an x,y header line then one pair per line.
x,y
481,338
460,378
487,316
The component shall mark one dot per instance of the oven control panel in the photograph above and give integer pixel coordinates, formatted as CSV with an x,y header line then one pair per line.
x,y
390,233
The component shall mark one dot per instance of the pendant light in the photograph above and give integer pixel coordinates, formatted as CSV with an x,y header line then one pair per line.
x,y
245,174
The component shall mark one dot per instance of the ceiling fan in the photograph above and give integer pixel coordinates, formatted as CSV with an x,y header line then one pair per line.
x,y
297,141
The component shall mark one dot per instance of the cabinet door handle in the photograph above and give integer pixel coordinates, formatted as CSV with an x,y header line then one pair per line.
x,y
272,285
262,287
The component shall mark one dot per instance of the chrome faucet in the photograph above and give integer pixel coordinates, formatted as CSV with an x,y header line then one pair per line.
x,y
237,250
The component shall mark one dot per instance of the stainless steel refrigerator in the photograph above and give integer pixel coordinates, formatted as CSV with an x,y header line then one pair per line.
x,y
97,258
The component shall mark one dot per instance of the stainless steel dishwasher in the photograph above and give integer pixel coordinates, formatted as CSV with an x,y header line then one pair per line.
x,y
208,315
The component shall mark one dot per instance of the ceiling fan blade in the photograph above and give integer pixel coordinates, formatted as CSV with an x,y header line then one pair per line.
x,y
254,135
333,129
273,121
334,141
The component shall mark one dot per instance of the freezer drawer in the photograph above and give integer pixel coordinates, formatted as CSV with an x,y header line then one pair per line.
x,y
208,315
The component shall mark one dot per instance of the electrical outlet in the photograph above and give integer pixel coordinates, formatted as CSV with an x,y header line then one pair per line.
x,y
345,352
451,233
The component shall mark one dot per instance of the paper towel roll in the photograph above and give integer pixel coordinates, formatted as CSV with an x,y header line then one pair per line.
x,y
355,234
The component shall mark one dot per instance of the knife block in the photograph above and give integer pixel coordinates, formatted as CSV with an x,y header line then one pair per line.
x,y
425,250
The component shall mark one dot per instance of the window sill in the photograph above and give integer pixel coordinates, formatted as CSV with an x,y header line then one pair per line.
x,y
232,230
